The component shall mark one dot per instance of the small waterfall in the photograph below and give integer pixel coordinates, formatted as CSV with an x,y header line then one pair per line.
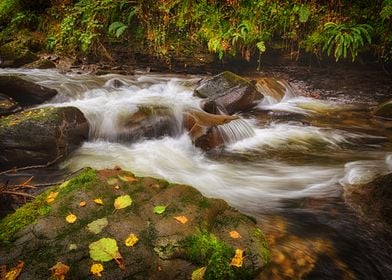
x,y
236,130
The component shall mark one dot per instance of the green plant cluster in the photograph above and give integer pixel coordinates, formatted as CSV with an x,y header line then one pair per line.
x,y
229,28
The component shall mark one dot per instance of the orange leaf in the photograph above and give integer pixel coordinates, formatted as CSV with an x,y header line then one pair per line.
x,y
82,203
59,270
117,187
96,269
98,201
131,240
238,258
181,219
234,234
51,197
14,273
126,178
71,218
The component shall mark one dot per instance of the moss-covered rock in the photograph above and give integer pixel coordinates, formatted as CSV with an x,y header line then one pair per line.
x,y
14,54
166,248
40,136
8,105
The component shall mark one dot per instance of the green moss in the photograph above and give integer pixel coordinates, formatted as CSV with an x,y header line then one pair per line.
x,y
263,245
83,180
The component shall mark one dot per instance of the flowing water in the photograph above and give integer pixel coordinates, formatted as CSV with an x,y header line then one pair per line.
x,y
285,162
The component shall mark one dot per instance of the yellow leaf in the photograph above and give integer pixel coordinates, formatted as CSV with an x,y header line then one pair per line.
x,y
59,270
131,240
234,234
117,187
71,218
181,219
198,274
82,203
96,269
238,258
127,178
98,201
122,201
51,197
14,273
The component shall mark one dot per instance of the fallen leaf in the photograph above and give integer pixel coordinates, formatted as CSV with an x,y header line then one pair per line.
x,y
127,178
122,201
72,247
159,209
96,269
14,273
51,197
198,274
238,258
71,218
103,250
82,203
112,181
117,187
234,234
97,225
98,201
181,219
131,240
59,270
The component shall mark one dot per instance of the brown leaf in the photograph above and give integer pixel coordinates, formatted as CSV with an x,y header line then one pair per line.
x,y
238,258
14,273
181,219
59,270
234,234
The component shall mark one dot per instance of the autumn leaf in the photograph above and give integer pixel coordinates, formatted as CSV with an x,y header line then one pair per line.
x,y
82,203
116,187
238,258
127,178
71,218
96,269
98,201
51,197
14,273
122,201
97,225
131,240
103,250
198,274
159,209
234,234
59,270
181,219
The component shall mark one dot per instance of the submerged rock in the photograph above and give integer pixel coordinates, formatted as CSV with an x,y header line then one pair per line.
x,y
227,93
384,110
191,232
8,105
40,136
26,93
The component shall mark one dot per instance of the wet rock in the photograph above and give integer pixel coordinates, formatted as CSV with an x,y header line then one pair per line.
x,y
271,87
166,248
384,110
15,54
227,93
26,93
373,201
8,105
41,64
40,136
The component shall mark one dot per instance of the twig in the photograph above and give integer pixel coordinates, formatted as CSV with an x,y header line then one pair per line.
x,y
32,166
19,194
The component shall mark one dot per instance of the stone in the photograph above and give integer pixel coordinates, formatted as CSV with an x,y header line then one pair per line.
x,y
8,105
26,93
15,54
39,136
41,64
384,110
227,93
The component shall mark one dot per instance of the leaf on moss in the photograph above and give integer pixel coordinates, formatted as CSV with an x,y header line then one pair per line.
x,y
131,240
238,258
234,234
181,219
98,201
82,203
71,218
159,209
59,270
198,274
126,178
122,201
97,225
104,250
96,269
14,273
51,197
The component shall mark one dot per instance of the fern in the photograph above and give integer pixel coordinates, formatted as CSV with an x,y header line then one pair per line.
x,y
117,28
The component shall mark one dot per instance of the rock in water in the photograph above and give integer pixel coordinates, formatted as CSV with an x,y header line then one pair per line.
x,y
8,105
227,93
40,136
384,110
14,54
26,93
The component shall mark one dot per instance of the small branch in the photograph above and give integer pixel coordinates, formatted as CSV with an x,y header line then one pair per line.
x,y
19,194
14,170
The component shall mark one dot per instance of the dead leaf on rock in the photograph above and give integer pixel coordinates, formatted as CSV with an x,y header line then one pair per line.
x,y
82,203
71,218
59,270
238,258
126,178
181,219
96,269
234,234
198,274
51,197
131,240
98,201
14,273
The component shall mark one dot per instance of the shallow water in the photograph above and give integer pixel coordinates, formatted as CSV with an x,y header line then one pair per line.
x,y
288,167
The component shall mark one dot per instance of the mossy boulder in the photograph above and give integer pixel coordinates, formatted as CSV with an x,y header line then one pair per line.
x,y
166,248
384,110
26,93
40,136
8,105
227,93
41,64
15,54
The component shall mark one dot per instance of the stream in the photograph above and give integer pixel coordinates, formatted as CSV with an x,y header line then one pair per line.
x,y
289,172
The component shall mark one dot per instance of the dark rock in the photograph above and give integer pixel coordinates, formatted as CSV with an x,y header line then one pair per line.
x,y
40,136
15,54
384,110
8,105
26,93
41,64
227,93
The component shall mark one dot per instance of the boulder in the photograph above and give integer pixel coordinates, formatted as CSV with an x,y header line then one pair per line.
x,y
188,233
14,54
26,93
384,110
41,64
8,105
39,136
372,201
227,93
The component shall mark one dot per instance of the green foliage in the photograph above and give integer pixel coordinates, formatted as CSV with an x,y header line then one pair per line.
x,y
117,28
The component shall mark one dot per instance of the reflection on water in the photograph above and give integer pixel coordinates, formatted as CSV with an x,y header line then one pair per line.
x,y
288,170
